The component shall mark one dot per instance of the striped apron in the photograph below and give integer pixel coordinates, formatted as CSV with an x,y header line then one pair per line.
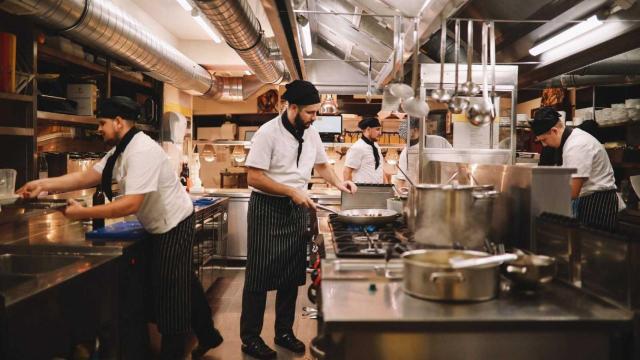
x,y
276,244
171,276
598,210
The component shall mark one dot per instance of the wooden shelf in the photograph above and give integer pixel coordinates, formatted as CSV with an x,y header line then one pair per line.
x,y
16,97
75,120
617,125
61,58
66,118
16,131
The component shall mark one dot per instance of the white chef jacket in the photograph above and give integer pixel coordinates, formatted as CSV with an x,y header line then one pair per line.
x,y
275,150
433,142
583,152
360,158
144,168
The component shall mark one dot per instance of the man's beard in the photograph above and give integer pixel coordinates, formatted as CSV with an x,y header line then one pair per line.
x,y
112,142
300,125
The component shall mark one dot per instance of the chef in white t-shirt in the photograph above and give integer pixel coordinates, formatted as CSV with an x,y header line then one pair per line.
x,y
409,163
283,153
364,161
150,189
593,186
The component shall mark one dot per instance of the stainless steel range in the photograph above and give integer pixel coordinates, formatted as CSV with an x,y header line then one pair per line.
x,y
370,241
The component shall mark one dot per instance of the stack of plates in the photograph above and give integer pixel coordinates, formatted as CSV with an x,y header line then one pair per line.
x,y
632,103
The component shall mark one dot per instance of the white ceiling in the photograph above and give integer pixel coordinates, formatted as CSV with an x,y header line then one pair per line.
x,y
178,22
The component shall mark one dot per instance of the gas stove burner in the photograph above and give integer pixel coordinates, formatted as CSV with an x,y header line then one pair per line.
x,y
372,251
364,239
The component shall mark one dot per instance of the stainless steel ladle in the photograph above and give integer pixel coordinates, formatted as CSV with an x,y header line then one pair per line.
x,y
458,104
469,88
440,94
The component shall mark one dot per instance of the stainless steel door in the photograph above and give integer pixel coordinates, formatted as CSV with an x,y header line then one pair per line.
x,y
237,236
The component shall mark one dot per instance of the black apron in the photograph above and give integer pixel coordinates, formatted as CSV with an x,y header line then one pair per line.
x,y
171,275
598,210
276,243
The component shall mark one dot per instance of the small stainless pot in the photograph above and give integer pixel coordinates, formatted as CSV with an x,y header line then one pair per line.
x,y
428,275
530,270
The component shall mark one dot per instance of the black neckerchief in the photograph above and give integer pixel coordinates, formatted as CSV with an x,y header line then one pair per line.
x,y
107,173
413,142
297,133
551,156
563,140
376,155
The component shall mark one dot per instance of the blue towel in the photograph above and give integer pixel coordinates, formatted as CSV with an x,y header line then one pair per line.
x,y
205,201
125,230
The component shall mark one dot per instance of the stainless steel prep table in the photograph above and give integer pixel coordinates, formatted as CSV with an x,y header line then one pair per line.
x,y
559,322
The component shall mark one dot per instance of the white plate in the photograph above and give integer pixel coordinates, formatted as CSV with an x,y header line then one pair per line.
x,y
8,199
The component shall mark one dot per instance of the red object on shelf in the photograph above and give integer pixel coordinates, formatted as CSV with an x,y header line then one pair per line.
x,y
7,62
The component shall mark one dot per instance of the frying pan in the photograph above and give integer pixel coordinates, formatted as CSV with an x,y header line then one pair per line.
x,y
363,216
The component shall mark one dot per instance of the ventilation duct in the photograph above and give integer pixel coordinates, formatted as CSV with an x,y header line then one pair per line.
x,y
240,28
101,24
566,81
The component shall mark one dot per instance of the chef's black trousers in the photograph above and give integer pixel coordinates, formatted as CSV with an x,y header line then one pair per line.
x,y
253,305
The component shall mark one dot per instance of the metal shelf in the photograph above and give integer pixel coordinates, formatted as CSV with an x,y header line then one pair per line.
x,y
58,57
16,131
66,118
16,97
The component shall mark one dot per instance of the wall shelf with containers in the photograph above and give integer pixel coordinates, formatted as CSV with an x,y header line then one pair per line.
x,y
17,99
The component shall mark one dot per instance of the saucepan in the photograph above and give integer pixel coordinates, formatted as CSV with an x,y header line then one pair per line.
x,y
530,270
363,216
429,274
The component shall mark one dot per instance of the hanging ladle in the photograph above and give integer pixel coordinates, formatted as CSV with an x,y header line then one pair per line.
x,y
480,113
440,94
368,96
415,106
469,88
458,104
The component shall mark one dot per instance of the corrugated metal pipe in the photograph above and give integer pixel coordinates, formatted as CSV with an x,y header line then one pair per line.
x,y
240,28
566,81
101,24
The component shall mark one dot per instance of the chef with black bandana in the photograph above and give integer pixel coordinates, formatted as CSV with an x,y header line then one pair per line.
x,y
283,153
151,190
364,161
593,187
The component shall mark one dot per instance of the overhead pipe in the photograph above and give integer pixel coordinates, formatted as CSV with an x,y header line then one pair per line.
x,y
237,24
101,24
567,81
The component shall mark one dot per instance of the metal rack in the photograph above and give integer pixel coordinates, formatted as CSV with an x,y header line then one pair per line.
x,y
506,83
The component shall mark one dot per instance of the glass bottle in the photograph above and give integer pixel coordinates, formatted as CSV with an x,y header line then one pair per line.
x,y
98,199
43,167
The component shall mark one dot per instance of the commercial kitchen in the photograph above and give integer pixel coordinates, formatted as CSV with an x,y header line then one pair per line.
x,y
319,179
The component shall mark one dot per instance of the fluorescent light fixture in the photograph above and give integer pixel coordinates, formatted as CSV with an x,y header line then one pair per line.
x,y
205,26
305,30
563,37
248,73
186,5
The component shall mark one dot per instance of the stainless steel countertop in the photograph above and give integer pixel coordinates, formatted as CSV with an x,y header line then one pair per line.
x,y
52,234
347,304
324,194
41,282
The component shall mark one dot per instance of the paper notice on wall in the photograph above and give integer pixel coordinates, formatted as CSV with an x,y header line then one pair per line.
x,y
467,136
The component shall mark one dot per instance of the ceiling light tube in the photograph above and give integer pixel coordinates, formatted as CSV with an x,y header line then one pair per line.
x,y
305,29
205,26
567,35
186,5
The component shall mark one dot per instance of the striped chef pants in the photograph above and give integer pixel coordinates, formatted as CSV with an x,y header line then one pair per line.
x,y
171,277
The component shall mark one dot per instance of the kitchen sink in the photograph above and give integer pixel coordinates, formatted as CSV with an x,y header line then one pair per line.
x,y
34,264
8,281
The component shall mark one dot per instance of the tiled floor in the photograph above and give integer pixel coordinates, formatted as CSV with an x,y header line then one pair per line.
x,y
225,298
